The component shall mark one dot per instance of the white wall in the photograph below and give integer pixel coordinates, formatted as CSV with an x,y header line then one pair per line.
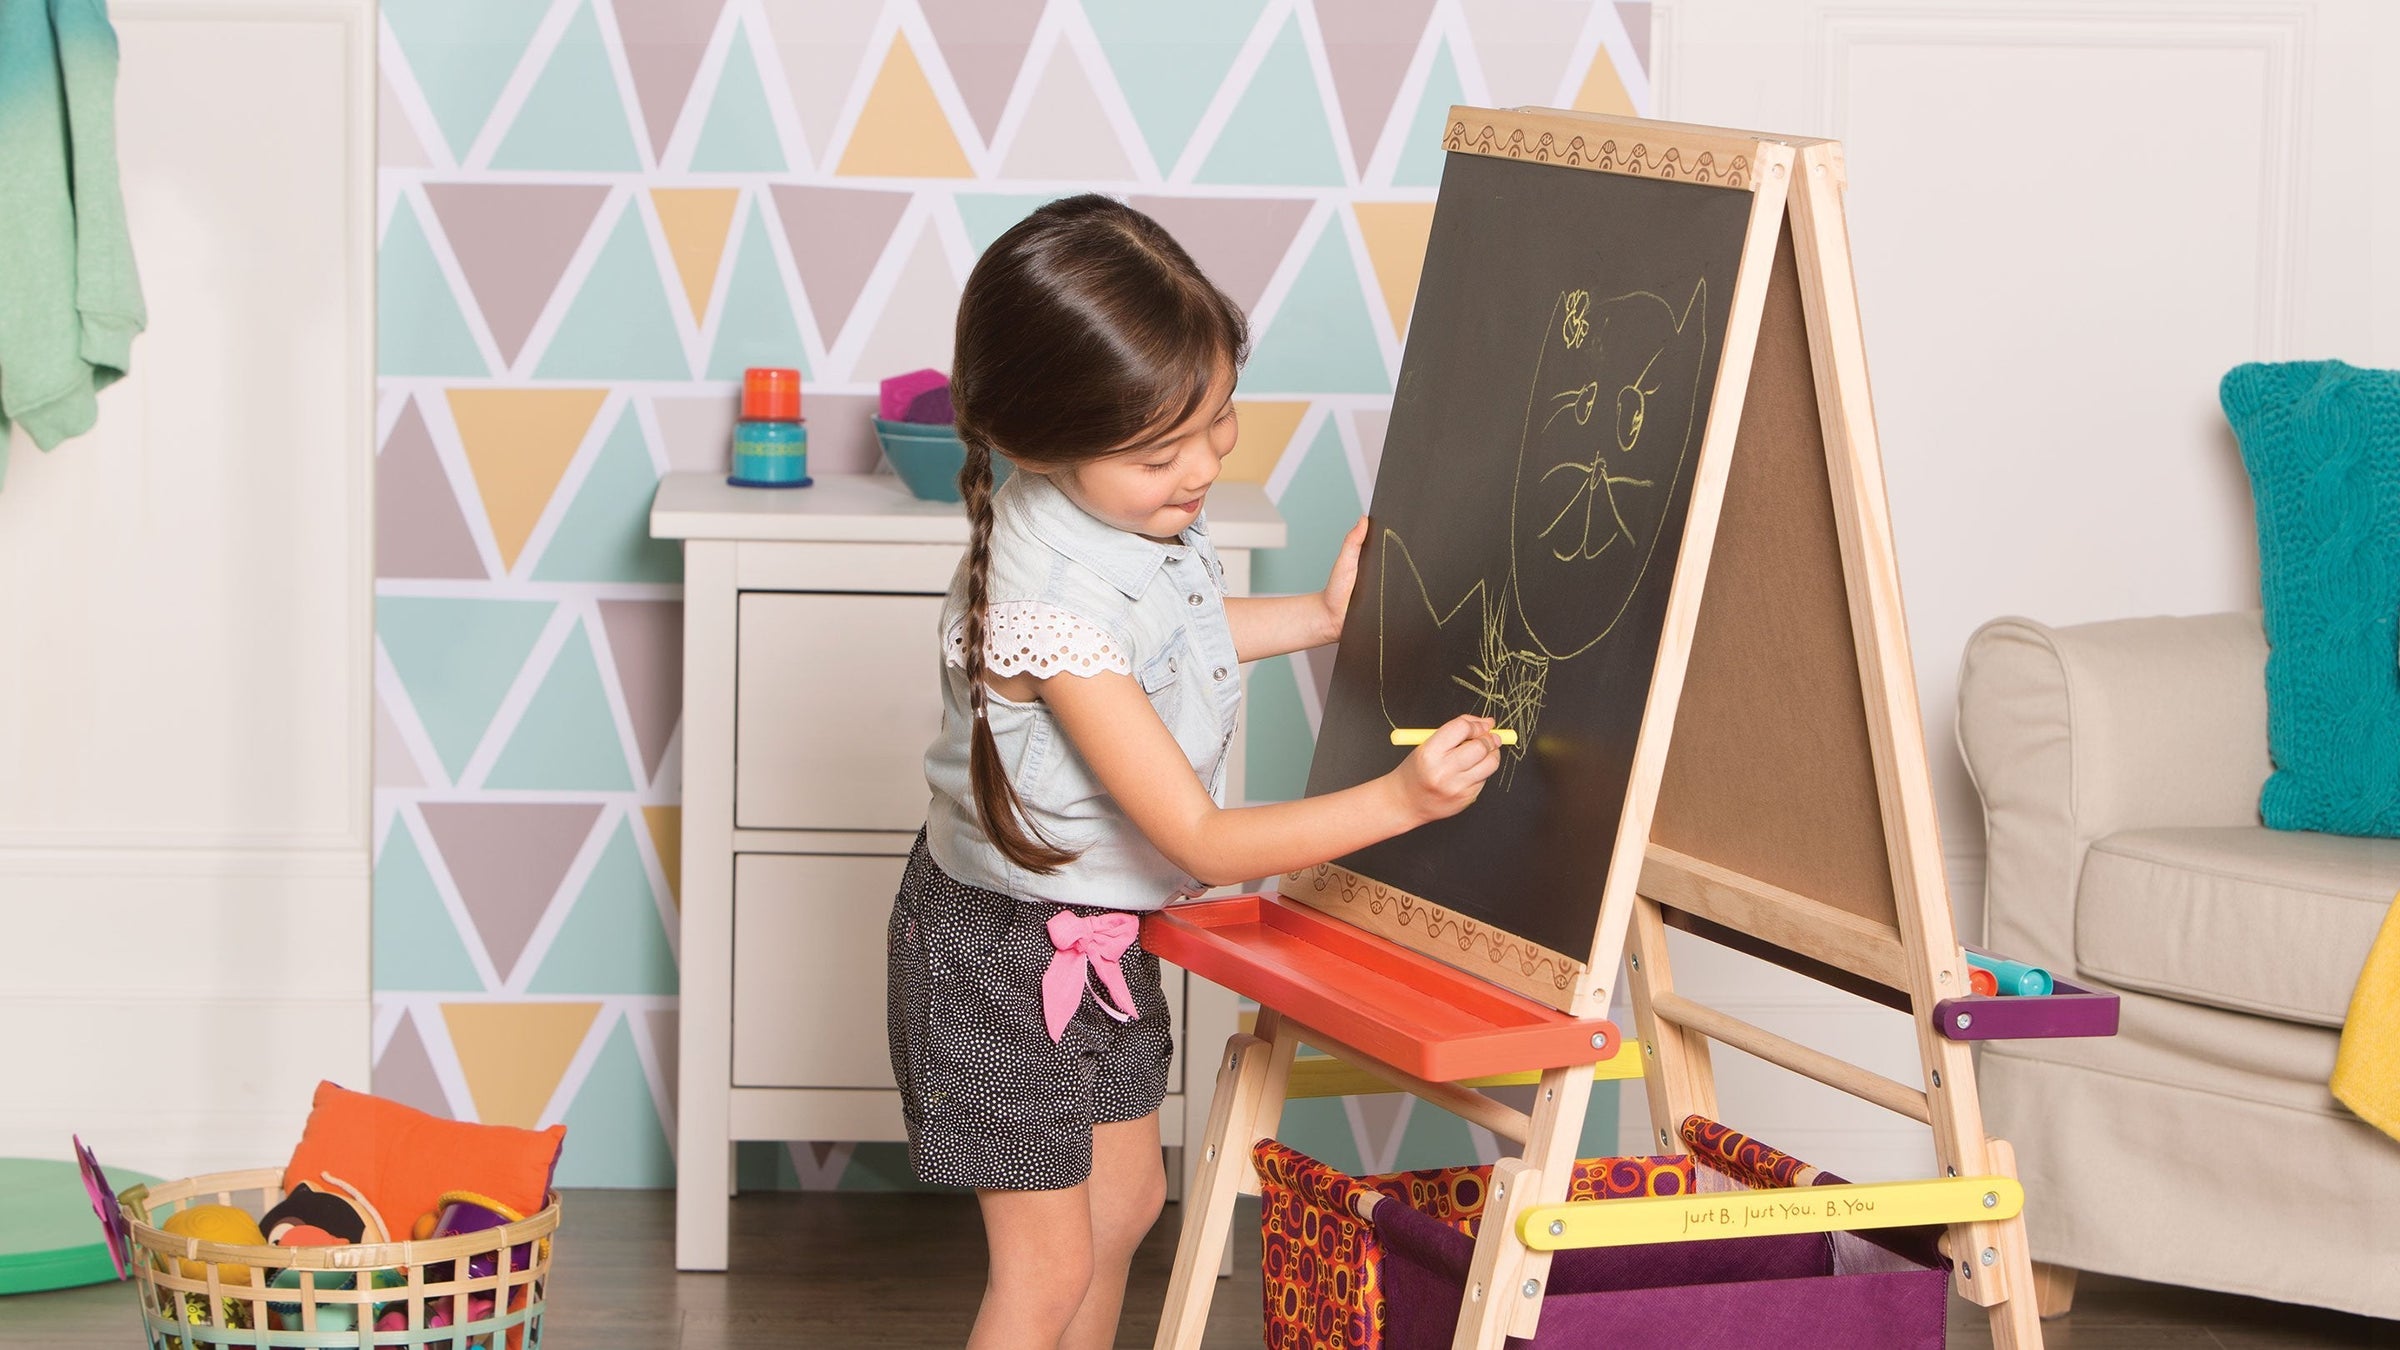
x,y
185,624
2067,223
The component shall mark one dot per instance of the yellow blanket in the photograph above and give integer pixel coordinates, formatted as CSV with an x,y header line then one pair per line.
x,y
2366,1070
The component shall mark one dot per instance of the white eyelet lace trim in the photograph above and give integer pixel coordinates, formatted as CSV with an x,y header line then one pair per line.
x,y
1029,637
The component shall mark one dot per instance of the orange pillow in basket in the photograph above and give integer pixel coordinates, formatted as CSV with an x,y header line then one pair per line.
x,y
402,1159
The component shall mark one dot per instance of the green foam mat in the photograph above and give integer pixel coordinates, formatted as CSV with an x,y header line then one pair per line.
x,y
49,1237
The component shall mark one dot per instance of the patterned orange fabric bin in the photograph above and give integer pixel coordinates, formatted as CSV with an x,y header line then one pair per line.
x,y
1333,1283
1323,1266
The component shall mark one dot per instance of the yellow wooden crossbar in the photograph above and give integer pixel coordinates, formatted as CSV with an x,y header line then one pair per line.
x,y
1325,1076
1796,1209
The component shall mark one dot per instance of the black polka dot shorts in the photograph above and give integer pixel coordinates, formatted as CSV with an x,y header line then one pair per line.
x,y
992,1102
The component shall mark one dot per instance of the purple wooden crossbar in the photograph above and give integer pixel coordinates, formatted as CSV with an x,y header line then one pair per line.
x,y
2068,1010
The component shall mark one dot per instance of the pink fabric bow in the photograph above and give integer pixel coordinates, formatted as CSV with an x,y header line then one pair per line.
x,y
1093,944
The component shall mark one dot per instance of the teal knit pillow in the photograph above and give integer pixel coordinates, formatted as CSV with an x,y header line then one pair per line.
x,y
2322,443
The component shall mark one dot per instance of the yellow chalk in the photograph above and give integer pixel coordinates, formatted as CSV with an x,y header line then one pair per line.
x,y
1420,735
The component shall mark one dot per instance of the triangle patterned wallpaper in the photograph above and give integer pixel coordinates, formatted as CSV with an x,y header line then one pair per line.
x,y
594,213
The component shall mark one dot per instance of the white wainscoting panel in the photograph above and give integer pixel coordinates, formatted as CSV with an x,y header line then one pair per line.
x,y
2068,221
186,623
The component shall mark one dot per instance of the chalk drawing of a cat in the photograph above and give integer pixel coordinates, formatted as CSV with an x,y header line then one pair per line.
x,y
1611,419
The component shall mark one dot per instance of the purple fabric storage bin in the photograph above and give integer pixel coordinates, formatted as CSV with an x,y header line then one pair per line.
x,y
1335,1282
1805,1291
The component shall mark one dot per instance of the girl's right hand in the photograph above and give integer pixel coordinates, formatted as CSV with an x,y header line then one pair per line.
x,y
1445,774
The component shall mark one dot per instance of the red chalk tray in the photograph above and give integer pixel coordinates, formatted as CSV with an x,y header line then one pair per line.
x,y
1372,995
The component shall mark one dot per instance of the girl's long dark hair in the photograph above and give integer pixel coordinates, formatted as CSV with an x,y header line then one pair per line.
x,y
1084,330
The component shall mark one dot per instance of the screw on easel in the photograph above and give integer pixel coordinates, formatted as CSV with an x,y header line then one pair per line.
x,y
1965,1271
1650,1049
1532,1287
1990,1256
1991,1200
1599,1040
1662,1140
1964,1021
1210,1155
1634,961
1937,1078
1558,1227
1475,1293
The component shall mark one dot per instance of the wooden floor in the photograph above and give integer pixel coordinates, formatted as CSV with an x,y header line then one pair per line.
x,y
881,1272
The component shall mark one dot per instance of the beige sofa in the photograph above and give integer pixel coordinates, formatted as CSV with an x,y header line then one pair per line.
x,y
2120,765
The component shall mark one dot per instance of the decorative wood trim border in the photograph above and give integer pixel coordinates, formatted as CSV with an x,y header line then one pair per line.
x,y
1494,954
1674,153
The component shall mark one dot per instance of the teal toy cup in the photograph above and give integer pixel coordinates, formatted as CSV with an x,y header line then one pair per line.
x,y
770,455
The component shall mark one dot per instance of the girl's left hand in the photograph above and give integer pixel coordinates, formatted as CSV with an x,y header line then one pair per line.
x,y
1343,580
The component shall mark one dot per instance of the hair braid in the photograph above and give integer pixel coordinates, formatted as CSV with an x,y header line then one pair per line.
x,y
996,800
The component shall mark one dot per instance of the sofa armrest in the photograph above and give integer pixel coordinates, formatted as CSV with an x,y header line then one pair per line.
x,y
2073,734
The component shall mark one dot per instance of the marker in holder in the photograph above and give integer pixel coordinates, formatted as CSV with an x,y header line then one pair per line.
x,y
770,442
2013,977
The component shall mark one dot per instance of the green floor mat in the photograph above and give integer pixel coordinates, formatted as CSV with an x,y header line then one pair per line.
x,y
49,1237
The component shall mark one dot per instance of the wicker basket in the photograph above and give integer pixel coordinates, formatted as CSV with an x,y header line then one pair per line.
x,y
484,1289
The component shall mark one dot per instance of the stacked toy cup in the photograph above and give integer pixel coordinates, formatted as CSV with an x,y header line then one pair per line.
x,y
770,442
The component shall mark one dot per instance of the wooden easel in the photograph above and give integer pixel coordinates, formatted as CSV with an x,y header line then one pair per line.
x,y
1791,815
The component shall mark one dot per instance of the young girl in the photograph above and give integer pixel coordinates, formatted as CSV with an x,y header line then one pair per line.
x,y
1091,684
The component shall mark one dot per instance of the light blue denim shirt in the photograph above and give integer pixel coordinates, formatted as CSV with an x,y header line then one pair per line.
x,y
1069,593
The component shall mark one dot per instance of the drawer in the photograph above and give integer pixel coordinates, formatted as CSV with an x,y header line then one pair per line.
x,y
809,973
836,698
808,969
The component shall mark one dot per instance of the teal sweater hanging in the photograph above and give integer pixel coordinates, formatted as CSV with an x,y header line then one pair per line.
x,y
70,302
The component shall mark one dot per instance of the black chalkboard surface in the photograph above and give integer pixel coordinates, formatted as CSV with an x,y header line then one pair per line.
x,y
1533,490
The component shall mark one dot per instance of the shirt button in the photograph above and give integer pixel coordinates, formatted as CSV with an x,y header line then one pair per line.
x,y
1220,672
1192,599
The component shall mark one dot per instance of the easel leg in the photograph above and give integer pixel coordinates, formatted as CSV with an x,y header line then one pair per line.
x,y
2017,1319
1506,1283
1247,1107
1561,1101
1991,1264
1496,1278
1676,1074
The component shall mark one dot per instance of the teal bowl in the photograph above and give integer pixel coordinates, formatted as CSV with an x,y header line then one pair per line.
x,y
927,457
916,431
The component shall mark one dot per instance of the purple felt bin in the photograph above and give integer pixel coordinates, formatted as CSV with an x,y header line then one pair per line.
x,y
1803,1291
1397,1282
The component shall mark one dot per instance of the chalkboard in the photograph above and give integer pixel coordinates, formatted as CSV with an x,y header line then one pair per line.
x,y
1534,486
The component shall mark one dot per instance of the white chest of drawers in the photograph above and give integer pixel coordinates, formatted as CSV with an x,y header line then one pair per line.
x,y
809,696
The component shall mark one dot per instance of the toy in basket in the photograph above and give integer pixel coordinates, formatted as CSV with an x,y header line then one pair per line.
x,y
1380,1263
484,1287
303,1257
